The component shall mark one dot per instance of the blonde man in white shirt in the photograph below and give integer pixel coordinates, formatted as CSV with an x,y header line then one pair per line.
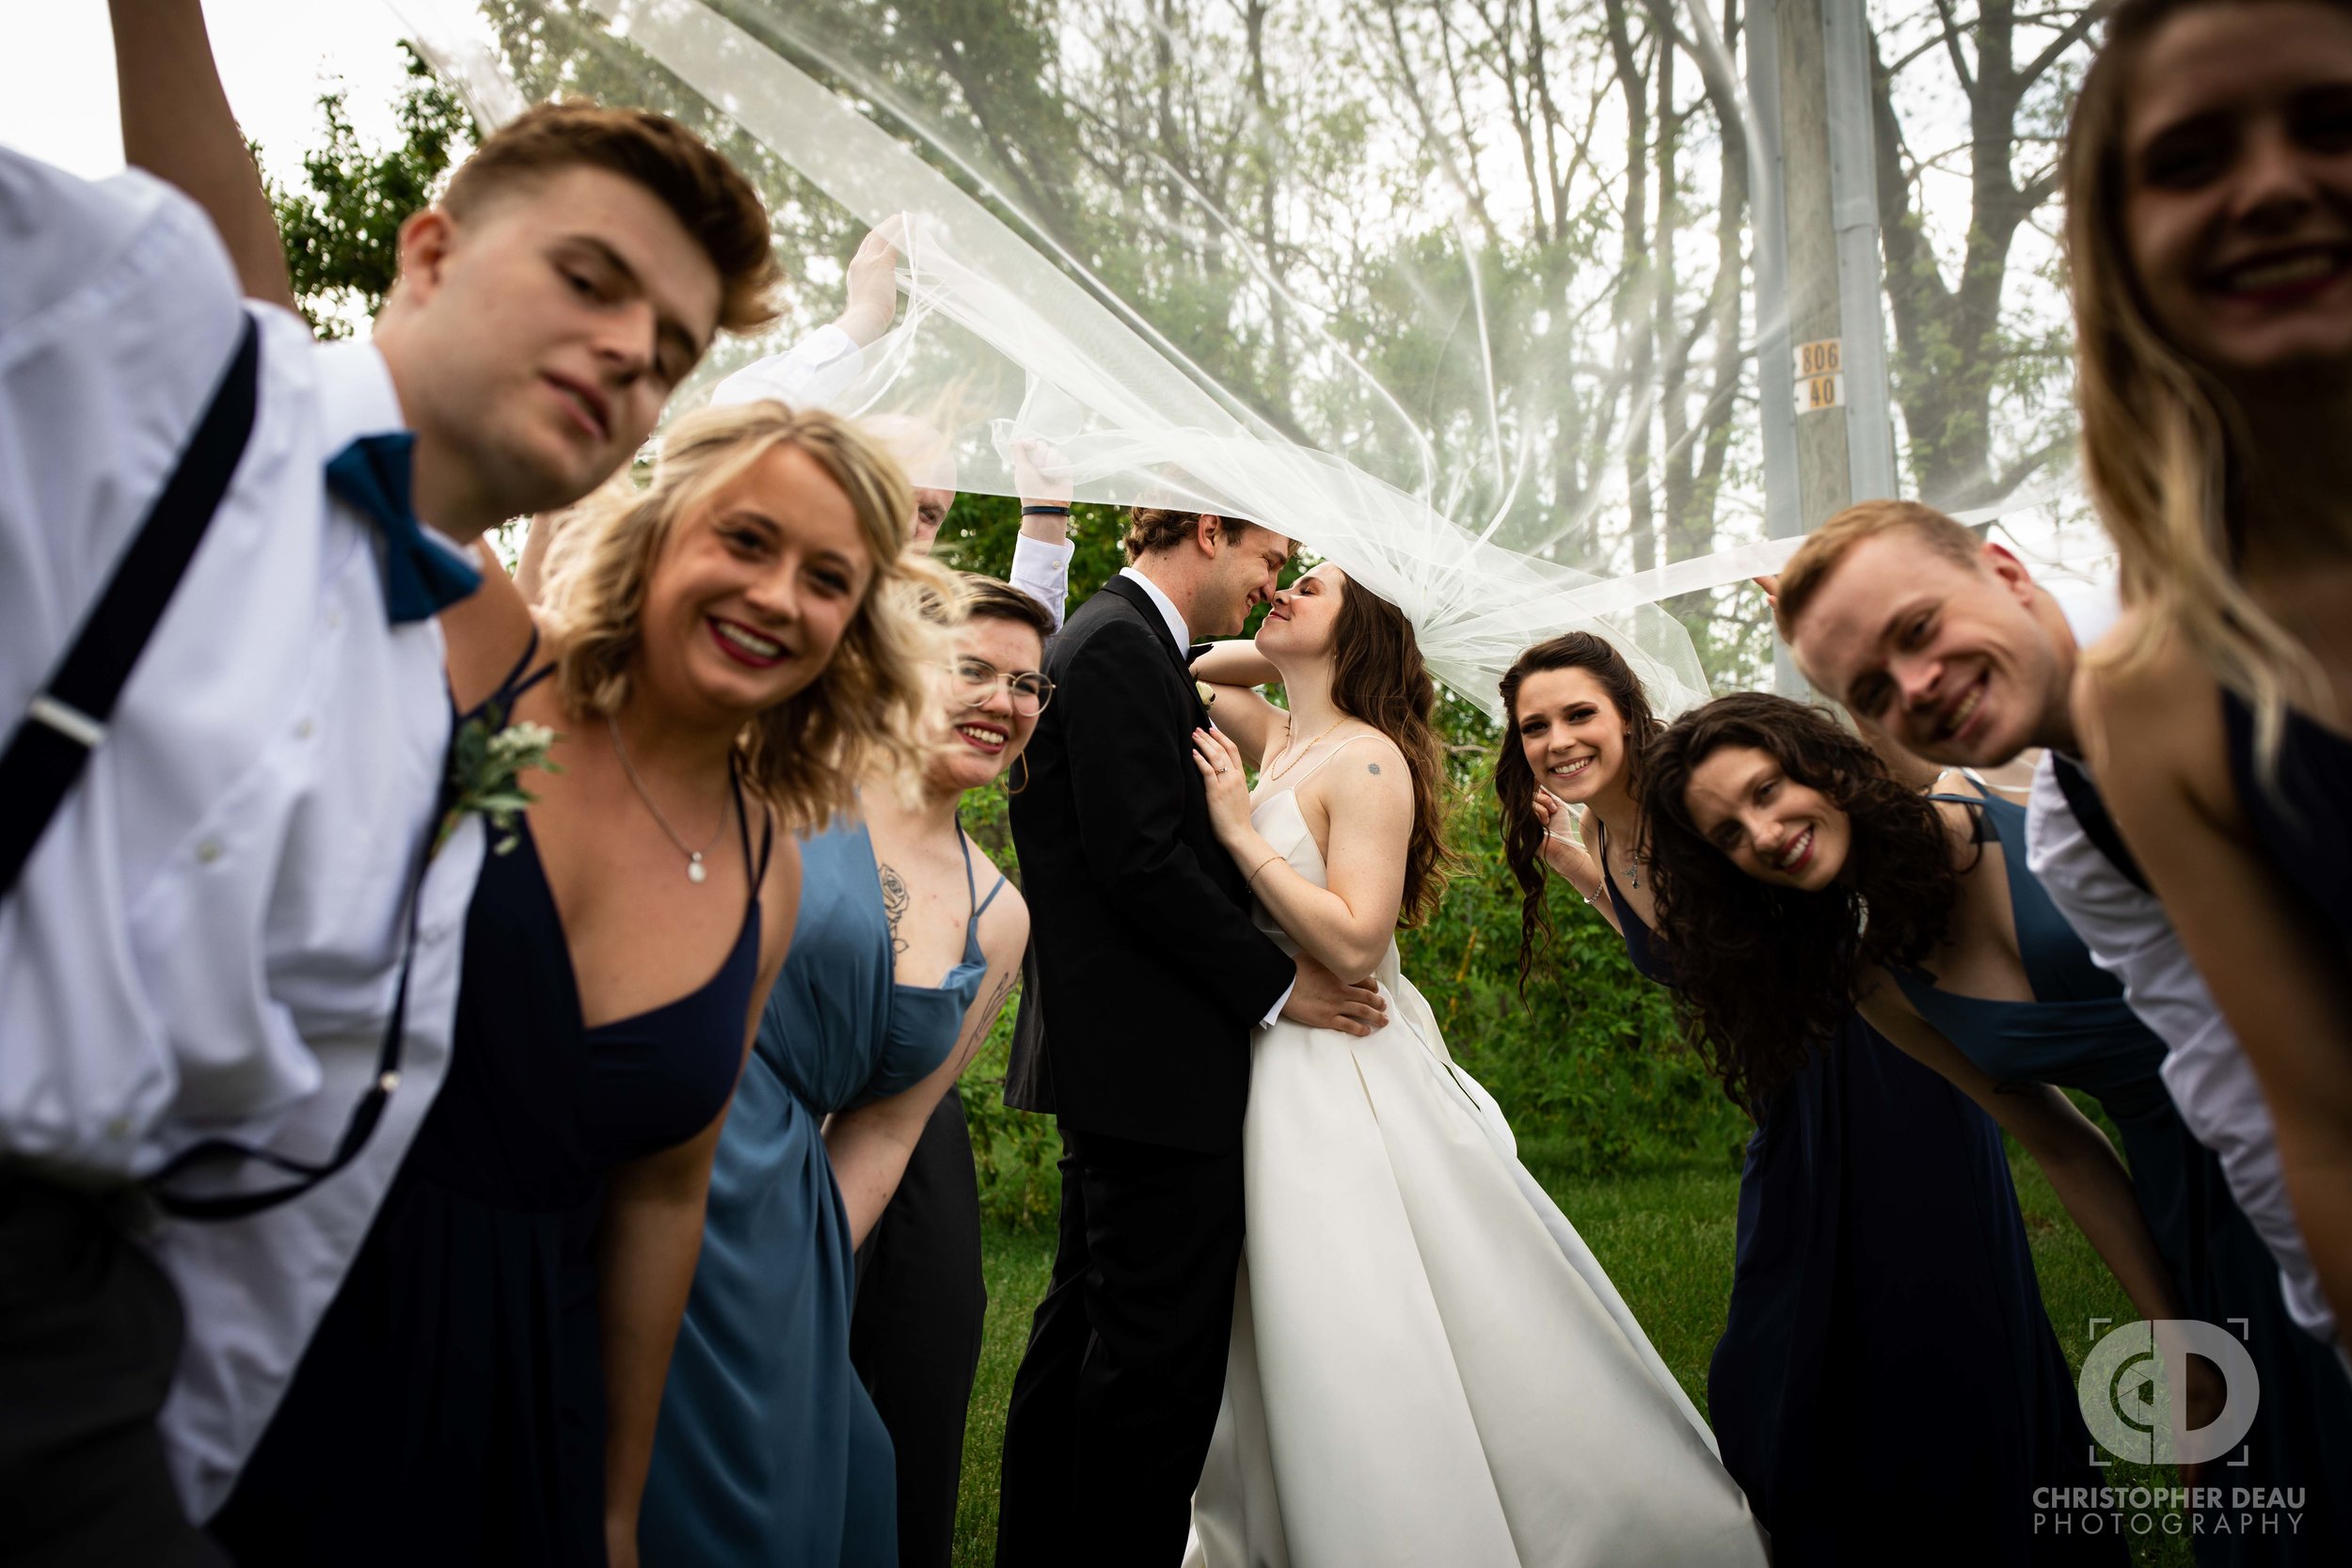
x,y
244,887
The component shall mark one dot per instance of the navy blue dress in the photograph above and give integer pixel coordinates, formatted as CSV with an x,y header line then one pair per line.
x,y
2304,816
2079,1033
451,1408
1887,1387
769,1448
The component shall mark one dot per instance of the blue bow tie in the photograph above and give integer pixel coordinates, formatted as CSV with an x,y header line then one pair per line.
x,y
421,579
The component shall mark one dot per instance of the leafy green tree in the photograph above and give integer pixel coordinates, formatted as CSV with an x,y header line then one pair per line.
x,y
342,225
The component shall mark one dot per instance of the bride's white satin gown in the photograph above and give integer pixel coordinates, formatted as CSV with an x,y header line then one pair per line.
x,y
1430,1368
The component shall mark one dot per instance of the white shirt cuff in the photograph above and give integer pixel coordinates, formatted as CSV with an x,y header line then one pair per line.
x,y
1041,570
1281,1002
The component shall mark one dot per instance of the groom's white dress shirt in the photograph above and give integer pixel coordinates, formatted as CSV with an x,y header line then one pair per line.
x,y
206,940
823,366
2131,936
1183,634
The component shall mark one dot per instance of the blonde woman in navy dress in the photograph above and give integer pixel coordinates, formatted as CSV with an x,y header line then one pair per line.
x,y
719,649
771,1448
2207,199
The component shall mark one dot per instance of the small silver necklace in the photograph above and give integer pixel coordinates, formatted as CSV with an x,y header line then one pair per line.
x,y
1632,867
696,870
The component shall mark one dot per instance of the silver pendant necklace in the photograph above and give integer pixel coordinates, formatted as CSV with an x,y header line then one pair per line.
x,y
1632,867
696,870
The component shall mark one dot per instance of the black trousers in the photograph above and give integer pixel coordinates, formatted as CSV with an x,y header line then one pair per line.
x,y
1116,1399
914,1335
89,1337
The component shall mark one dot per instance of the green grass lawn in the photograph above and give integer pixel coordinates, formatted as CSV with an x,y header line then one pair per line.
x,y
1666,1241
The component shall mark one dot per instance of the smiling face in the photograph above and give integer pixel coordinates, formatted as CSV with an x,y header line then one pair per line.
x,y
1572,735
1948,658
1771,826
1300,620
2236,187
1240,575
534,343
753,591
988,724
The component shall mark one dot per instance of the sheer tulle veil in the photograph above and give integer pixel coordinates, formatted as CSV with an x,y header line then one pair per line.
x,y
999,341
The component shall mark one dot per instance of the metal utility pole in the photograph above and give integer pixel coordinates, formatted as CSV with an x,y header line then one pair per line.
x,y
1830,440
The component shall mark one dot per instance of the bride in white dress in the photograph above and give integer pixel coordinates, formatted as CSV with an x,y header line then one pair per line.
x,y
1428,1366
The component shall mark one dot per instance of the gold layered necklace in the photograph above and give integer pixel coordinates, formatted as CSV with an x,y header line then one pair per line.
x,y
1292,755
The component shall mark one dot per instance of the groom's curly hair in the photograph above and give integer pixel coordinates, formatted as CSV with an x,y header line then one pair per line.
x,y
1377,675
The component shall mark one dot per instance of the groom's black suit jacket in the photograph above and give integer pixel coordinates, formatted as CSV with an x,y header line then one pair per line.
x,y
1149,974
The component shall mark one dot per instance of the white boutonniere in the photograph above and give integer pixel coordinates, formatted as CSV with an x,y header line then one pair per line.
x,y
486,763
1208,693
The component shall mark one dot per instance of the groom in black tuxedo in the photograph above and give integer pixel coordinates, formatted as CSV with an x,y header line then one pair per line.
x,y
1152,978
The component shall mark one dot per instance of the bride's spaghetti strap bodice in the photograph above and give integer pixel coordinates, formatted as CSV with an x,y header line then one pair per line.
x,y
1283,823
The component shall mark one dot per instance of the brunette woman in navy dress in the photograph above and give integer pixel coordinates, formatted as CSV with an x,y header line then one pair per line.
x,y
1876,1213
2009,1006
718,650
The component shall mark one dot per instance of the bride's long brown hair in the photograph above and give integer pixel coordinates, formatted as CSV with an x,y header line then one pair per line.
x,y
1378,676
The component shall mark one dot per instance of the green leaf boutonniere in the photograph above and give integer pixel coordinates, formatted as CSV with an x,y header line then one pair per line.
x,y
486,763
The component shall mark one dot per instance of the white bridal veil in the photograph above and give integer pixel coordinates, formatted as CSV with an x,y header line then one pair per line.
x,y
1494,517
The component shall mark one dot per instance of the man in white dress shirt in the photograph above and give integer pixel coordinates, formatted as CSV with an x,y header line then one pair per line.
x,y
1901,613
210,938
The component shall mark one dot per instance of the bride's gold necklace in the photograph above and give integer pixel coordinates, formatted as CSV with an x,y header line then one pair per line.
x,y
1292,755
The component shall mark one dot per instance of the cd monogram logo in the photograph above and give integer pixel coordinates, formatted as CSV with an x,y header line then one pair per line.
x,y
2131,1376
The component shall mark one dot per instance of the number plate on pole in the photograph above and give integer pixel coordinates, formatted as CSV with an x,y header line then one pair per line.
x,y
1817,393
1817,358
1820,380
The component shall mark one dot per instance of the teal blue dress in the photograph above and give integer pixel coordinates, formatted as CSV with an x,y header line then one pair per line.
x,y
2078,1033
768,1450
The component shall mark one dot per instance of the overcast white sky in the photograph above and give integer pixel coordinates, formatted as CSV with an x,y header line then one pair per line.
x,y
276,57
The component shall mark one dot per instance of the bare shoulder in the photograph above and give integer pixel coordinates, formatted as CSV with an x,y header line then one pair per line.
x,y
2130,679
1373,769
1005,923
483,634
2147,715
1959,820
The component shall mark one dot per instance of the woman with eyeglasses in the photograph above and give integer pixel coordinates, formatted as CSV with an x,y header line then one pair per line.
x,y
769,1447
